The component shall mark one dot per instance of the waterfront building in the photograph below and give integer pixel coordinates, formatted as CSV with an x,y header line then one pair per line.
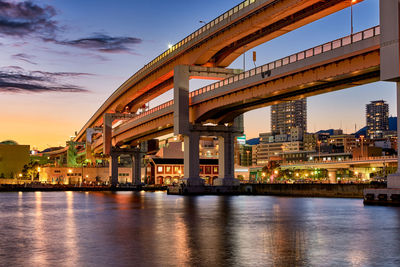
x,y
296,156
310,142
165,171
13,157
245,155
377,116
346,141
288,115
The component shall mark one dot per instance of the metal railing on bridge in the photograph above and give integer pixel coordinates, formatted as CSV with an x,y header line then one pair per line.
x,y
358,159
368,33
195,35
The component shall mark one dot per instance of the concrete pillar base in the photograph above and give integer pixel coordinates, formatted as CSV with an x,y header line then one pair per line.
x,y
393,181
226,182
193,181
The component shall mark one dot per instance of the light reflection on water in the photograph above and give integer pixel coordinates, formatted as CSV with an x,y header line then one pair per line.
x,y
154,229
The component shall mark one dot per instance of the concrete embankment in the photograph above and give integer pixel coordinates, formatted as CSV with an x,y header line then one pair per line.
x,y
308,190
53,188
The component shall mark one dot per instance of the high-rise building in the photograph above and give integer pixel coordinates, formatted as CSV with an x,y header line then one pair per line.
x,y
288,115
377,113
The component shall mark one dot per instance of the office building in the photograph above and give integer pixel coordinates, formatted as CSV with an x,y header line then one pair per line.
x,y
377,114
288,115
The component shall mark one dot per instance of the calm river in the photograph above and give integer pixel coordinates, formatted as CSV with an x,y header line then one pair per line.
x,y
154,229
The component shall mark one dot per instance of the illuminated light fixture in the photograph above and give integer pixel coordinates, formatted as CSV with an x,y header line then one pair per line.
x,y
87,176
169,46
353,1
20,175
69,171
276,171
38,169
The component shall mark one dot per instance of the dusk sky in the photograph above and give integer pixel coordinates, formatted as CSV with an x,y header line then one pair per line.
x,y
60,60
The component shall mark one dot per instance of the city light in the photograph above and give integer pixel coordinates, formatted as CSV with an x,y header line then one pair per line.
x,y
169,46
38,169
69,171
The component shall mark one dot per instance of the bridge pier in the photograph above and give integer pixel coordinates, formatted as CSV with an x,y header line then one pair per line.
x,y
136,168
192,160
114,169
135,154
332,173
390,62
192,132
226,164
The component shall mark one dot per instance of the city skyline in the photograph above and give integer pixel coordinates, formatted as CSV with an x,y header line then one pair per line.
x,y
80,58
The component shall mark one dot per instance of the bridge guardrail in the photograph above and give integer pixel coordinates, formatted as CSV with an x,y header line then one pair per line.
x,y
195,34
343,161
359,36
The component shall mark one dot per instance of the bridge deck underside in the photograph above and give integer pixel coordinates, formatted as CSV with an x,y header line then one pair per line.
x,y
345,71
217,46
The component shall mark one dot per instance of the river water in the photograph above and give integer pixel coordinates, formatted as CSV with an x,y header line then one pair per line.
x,y
154,229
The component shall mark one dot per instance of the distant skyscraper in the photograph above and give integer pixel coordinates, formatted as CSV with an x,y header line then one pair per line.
x,y
377,119
287,115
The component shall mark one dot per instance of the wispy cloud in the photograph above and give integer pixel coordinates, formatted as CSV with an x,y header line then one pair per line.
x,y
103,43
24,57
26,18
16,80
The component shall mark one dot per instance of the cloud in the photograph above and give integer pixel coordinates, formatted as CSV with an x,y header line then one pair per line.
x,y
26,18
24,57
16,80
103,43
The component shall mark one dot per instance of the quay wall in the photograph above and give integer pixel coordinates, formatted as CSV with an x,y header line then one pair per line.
x,y
309,190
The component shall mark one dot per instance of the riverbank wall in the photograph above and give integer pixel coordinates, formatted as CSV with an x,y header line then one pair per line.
x,y
309,190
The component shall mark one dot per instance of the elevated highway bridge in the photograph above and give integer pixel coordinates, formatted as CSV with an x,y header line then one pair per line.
x,y
343,63
367,56
216,44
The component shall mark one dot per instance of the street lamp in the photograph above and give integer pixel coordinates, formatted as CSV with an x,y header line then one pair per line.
x,y
351,11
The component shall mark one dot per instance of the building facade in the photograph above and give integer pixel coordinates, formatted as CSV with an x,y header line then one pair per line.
x,y
377,115
288,115
13,157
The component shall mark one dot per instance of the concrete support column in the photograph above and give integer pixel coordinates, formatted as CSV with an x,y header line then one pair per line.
x,y
226,164
107,133
192,160
332,176
390,60
114,169
393,180
136,168
181,100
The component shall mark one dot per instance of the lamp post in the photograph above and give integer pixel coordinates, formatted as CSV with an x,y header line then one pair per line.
x,y
351,17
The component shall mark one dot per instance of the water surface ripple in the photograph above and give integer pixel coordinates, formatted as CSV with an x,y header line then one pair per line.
x,y
154,229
